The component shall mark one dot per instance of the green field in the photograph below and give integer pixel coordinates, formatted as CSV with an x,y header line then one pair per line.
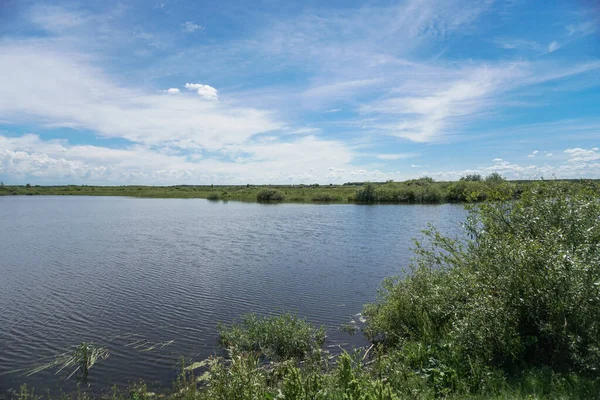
x,y
423,190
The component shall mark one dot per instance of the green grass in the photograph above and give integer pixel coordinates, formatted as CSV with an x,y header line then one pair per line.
x,y
277,337
415,191
508,312
79,361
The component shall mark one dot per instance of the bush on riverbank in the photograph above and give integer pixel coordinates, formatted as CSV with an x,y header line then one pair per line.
x,y
269,195
425,190
277,337
522,293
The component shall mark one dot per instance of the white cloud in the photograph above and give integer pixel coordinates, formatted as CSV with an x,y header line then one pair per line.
x,y
583,29
398,156
205,91
553,46
31,76
497,160
190,27
334,110
549,155
173,91
56,19
578,155
518,44
435,105
57,160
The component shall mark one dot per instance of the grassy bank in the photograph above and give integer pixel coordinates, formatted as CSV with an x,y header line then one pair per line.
x,y
424,190
509,313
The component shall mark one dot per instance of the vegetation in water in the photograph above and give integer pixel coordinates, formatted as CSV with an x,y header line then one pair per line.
x,y
510,311
79,361
276,337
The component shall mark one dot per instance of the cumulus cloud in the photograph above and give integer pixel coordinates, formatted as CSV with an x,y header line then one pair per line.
x,y
578,155
205,91
287,162
190,27
172,91
497,160
31,76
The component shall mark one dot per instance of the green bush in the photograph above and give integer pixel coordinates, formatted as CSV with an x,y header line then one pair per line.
x,y
213,197
278,337
366,193
523,292
269,195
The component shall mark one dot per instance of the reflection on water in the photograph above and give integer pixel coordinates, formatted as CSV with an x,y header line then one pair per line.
x,y
150,278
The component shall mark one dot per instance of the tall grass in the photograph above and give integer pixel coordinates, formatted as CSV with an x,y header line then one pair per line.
x,y
79,361
277,337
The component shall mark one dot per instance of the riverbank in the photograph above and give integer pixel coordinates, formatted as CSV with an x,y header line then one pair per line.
x,y
510,313
417,191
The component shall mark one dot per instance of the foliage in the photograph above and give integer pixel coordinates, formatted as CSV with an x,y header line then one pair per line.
x,y
325,197
277,337
522,293
471,178
269,195
213,197
422,190
494,177
366,193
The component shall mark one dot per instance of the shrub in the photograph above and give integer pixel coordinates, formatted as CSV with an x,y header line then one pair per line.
x,y
366,193
213,196
467,191
269,195
494,177
278,337
523,292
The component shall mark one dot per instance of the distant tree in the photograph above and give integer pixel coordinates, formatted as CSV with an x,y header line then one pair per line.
x,y
28,186
471,178
494,177
247,185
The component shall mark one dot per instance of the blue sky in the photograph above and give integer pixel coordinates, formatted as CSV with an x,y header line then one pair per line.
x,y
197,92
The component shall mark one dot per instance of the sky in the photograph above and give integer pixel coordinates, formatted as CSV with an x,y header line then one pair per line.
x,y
162,92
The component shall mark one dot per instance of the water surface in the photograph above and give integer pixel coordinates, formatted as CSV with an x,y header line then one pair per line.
x,y
134,274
